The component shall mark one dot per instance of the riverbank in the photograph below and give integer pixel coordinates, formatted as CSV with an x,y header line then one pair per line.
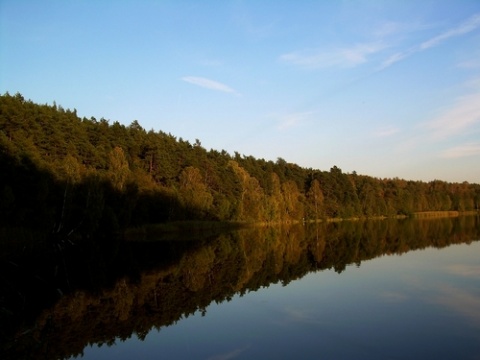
x,y
195,229
440,214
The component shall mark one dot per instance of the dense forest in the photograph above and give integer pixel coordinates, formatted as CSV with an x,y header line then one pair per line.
x,y
62,174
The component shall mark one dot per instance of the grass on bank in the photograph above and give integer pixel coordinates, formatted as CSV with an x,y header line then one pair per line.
x,y
440,214
436,214
196,229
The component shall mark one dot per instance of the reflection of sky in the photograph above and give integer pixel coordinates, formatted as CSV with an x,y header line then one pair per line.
x,y
464,270
424,304
436,287
463,300
460,301
229,355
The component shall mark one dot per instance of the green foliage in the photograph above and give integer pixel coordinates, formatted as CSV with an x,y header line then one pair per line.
x,y
89,176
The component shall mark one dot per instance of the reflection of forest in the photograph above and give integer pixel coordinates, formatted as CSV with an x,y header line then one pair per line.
x,y
160,283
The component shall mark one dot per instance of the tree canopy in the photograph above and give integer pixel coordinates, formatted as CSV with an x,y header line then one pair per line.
x,y
61,172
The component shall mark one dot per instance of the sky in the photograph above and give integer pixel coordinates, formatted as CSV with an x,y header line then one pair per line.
x,y
384,88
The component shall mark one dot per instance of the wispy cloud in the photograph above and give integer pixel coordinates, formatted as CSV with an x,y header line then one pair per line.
x,y
470,64
393,28
341,57
384,37
470,149
387,131
469,25
208,84
287,121
396,58
473,83
249,21
461,116
466,27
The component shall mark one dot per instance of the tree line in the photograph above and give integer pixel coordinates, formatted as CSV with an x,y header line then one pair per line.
x,y
64,174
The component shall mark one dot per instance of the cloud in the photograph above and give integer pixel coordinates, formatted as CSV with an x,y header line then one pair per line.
x,y
460,151
387,131
342,57
287,121
470,64
392,28
463,115
467,26
395,58
473,83
208,84
359,53
248,21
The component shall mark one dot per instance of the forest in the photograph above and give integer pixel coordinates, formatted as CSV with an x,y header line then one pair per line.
x,y
62,176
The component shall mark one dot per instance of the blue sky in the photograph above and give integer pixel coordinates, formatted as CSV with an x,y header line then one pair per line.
x,y
383,88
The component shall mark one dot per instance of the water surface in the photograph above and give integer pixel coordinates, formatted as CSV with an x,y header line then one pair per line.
x,y
423,305
398,289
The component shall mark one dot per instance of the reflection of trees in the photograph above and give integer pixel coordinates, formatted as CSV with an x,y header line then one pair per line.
x,y
153,291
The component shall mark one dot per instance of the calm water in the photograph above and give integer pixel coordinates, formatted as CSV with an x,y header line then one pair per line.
x,y
363,290
422,305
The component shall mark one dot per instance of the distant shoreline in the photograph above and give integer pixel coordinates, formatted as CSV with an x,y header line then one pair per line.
x,y
193,229
440,214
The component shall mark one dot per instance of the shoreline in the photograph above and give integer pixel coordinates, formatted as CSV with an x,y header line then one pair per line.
x,y
207,228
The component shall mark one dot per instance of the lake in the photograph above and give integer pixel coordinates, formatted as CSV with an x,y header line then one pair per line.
x,y
384,289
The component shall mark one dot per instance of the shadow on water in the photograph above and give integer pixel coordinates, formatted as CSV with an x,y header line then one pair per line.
x,y
55,303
